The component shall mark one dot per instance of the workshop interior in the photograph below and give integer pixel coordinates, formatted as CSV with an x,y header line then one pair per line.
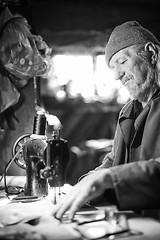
x,y
71,96
59,102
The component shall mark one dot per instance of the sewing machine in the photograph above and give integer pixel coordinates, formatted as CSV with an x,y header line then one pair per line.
x,y
45,155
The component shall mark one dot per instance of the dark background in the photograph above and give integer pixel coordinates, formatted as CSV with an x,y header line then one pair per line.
x,y
71,15
52,19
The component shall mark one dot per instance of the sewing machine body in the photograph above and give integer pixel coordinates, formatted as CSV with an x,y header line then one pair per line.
x,y
46,163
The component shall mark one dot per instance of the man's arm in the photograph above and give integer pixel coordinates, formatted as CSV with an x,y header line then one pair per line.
x,y
137,184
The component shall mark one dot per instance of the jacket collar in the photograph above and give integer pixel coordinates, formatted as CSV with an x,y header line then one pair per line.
x,y
127,110
126,119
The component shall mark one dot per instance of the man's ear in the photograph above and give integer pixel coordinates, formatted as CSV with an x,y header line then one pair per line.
x,y
152,49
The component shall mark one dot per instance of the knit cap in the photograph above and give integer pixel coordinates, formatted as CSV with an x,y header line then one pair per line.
x,y
125,35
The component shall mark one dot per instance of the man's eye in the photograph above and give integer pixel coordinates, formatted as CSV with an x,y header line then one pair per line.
x,y
122,62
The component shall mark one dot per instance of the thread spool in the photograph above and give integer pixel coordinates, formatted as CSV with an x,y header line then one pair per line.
x,y
39,126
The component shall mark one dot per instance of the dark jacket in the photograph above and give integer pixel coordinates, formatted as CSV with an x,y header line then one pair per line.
x,y
135,158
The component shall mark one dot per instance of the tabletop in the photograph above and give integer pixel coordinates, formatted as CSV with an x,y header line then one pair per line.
x,y
34,220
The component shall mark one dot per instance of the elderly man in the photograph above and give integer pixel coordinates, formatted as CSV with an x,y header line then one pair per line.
x,y
130,174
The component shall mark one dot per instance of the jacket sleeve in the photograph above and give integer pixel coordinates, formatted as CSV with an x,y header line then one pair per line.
x,y
137,184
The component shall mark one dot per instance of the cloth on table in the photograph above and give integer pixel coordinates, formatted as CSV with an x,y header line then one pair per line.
x,y
33,220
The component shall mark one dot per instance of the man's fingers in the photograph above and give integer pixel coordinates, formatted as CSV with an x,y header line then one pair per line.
x,y
76,205
80,194
71,203
64,206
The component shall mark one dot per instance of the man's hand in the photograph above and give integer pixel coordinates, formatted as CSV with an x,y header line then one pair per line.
x,y
90,187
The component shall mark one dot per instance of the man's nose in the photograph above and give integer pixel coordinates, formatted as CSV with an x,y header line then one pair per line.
x,y
119,73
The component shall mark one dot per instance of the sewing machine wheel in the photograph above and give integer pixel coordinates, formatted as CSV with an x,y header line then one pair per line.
x,y
16,147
